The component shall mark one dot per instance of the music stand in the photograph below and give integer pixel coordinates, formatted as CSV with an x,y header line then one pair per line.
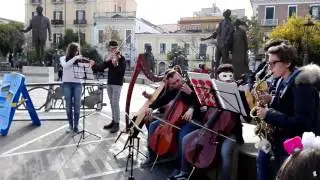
x,y
83,71
213,93
130,146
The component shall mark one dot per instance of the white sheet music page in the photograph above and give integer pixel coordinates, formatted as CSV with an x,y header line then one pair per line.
x,y
229,96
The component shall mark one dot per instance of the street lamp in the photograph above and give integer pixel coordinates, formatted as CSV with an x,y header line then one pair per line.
x,y
308,28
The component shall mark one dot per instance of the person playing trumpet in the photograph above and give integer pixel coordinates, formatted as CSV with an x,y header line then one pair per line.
x,y
116,64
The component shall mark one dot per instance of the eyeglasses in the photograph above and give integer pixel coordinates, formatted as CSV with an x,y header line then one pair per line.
x,y
272,63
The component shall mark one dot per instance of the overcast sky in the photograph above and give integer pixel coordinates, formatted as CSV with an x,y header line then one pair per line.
x,y
156,11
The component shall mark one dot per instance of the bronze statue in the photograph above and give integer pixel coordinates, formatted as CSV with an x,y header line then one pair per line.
x,y
39,25
223,34
239,50
150,58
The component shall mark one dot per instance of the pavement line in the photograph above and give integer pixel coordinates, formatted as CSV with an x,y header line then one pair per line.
x,y
56,147
104,173
34,140
103,114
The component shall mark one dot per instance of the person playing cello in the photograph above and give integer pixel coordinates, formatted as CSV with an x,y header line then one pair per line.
x,y
225,74
175,83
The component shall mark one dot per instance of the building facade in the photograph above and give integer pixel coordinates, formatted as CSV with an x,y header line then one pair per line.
x,y
75,14
122,27
271,13
197,52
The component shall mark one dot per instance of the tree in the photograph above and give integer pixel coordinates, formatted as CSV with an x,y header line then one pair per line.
x,y
11,39
70,37
304,39
255,34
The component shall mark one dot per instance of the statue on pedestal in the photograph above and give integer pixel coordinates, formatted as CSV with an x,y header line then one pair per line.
x,y
240,50
39,24
223,34
150,58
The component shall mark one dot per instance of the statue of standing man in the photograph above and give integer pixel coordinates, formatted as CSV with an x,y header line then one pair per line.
x,y
224,35
39,25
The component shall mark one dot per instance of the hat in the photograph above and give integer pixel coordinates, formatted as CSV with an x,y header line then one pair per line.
x,y
113,44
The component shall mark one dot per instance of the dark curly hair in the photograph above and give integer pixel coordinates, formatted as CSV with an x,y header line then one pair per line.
x,y
225,68
286,53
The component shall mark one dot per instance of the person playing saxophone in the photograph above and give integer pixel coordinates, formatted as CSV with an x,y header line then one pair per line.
x,y
293,108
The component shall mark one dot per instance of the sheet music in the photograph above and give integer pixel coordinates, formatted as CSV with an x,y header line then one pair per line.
x,y
229,96
83,71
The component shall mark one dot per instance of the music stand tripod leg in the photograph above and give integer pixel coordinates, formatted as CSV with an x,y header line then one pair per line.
x,y
124,147
130,156
119,136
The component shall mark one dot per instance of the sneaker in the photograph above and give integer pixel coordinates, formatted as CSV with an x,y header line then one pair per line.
x,y
115,128
180,176
108,126
147,163
174,173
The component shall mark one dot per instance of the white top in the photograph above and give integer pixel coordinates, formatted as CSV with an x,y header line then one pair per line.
x,y
68,74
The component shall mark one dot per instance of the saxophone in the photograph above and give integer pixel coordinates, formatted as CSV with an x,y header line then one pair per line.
x,y
263,129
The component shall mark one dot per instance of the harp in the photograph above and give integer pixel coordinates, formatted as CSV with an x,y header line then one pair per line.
x,y
142,65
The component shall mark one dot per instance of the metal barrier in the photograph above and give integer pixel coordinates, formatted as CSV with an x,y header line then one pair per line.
x,y
93,98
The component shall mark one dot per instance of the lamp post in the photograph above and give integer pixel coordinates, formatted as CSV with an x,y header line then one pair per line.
x,y
308,29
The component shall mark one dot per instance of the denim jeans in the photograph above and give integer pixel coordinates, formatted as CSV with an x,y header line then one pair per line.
x,y
267,169
72,95
114,92
227,150
185,129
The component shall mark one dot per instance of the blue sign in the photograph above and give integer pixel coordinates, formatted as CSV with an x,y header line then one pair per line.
x,y
11,89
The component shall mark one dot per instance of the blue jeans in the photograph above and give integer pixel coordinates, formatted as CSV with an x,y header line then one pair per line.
x,y
227,150
266,168
72,95
185,129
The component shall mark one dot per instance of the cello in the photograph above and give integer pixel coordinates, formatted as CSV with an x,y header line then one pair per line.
x,y
164,140
201,149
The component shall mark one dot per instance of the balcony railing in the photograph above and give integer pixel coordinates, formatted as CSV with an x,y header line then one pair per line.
x,y
269,22
115,14
36,2
57,1
57,22
80,21
80,1
202,56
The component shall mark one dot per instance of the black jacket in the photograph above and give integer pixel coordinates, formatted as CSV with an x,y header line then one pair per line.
x,y
115,73
191,100
296,111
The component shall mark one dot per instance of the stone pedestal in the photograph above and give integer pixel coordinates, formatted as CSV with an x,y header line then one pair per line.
x,y
38,74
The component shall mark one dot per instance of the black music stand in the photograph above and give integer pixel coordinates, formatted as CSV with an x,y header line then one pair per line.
x,y
83,71
226,95
131,146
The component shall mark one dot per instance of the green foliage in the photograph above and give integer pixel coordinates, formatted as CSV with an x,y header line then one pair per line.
x,y
11,38
255,34
304,39
91,53
174,52
70,37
